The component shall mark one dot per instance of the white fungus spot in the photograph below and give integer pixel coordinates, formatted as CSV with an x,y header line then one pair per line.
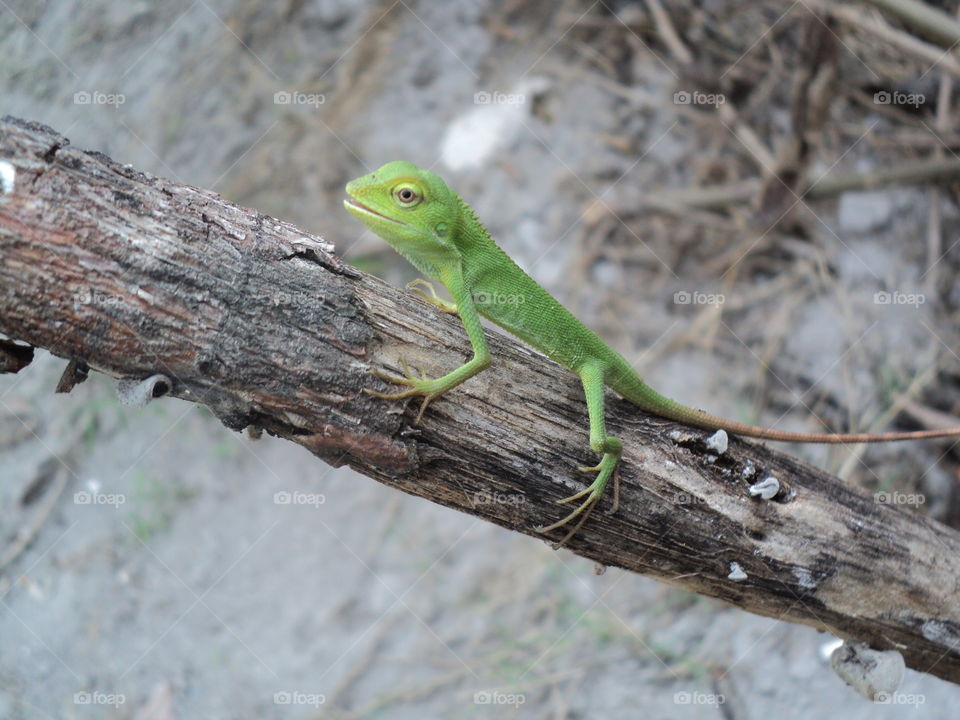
x,y
766,489
875,674
938,632
8,174
718,442
736,572
749,470
805,578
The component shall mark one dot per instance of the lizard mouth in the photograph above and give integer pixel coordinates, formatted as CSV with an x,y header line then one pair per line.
x,y
359,207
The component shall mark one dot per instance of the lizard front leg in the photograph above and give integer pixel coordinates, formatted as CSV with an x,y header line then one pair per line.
x,y
431,388
432,298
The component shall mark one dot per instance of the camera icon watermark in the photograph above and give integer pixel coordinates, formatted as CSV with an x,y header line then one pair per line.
x,y
896,297
894,497
886,97
487,697
99,698
494,298
96,97
696,97
94,497
485,497
685,697
284,497
299,298
694,297
685,498
899,698
295,697
89,296
485,97
293,97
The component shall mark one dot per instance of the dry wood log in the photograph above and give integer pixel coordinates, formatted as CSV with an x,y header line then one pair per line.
x,y
139,277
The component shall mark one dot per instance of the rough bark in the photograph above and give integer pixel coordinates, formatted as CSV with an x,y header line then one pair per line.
x,y
136,276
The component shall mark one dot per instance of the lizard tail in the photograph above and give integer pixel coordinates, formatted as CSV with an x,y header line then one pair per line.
x,y
642,395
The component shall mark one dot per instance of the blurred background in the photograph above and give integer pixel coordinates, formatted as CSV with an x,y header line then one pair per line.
x,y
647,163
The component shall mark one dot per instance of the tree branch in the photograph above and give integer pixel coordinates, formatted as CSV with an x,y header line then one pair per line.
x,y
139,277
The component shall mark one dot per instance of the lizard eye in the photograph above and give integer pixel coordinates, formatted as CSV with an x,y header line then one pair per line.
x,y
407,196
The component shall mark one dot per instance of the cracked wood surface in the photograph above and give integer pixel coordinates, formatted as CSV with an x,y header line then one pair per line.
x,y
135,276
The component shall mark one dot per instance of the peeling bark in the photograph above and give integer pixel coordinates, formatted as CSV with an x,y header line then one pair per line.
x,y
136,276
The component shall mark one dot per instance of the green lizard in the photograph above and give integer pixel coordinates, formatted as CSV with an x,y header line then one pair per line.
x,y
431,226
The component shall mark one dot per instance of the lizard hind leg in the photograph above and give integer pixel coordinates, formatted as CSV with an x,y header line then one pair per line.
x,y
606,469
610,448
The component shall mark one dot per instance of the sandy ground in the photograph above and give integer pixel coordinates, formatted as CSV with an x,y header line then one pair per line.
x,y
165,576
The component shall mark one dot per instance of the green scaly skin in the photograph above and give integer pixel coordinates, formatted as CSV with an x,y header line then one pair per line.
x,y
431,226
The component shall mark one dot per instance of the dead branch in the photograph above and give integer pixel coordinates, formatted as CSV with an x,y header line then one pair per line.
x,y
924,18
854,17
717,197
180,293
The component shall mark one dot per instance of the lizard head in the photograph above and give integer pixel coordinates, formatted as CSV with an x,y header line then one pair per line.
x,y
410,208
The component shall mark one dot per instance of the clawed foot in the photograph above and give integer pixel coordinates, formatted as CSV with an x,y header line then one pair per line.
x,y
593,493
422,385
432,298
